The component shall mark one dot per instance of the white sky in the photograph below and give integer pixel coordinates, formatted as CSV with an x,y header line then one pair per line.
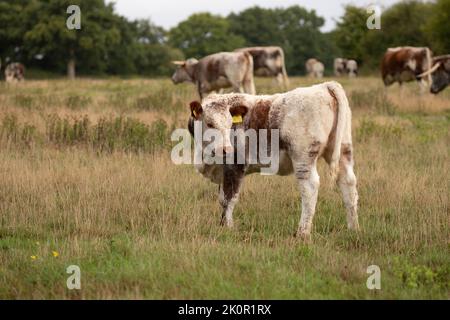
x,y
168,13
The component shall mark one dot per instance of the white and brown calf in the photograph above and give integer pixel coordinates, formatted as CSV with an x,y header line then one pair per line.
x,y
313,122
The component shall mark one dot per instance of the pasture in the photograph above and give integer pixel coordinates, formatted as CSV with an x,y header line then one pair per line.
x,y
86,179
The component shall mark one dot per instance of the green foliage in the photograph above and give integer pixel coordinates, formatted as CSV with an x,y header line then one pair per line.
x,y
35,33
415,276
109,134
403,24
202,34
351,31
295,29
14,133
438,27
50,36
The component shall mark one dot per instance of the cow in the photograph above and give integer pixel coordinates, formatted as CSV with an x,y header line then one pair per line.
x,y
217,71
311,122
314,68
352,68
340,66
268,62
15,72
403,64
344,66
440,73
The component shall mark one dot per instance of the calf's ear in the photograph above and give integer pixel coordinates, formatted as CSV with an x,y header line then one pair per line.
x,y
238,110
196,109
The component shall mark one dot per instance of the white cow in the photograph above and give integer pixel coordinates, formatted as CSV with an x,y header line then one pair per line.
x,y
314,68
312,122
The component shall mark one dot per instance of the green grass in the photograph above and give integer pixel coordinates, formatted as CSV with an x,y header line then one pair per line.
x,y
140,227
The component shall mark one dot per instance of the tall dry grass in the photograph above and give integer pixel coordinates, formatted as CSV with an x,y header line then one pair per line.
x,y
140,227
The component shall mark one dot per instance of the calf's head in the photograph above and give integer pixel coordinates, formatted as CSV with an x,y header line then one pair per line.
x,y
220,117
184,70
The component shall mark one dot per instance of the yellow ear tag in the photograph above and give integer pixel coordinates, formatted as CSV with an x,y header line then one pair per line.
x,y
195,113
237,119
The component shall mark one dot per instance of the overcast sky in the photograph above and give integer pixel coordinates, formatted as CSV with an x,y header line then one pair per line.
x,y
168,13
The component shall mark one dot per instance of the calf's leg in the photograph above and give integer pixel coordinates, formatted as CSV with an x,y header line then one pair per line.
x,y
309,181
347,183
233,175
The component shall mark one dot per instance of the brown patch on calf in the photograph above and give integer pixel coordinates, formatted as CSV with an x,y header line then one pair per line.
x,y
259,115
347,152
303,171
196,109
239,110
314,150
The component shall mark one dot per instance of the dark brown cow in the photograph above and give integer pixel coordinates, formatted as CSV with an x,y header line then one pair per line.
x,y
217,71
403,64
268,62
440,73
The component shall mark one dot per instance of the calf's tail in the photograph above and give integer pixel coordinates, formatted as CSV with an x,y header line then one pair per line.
x,y
343,117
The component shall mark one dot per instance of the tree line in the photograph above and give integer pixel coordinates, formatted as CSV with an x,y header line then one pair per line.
x,y
34,32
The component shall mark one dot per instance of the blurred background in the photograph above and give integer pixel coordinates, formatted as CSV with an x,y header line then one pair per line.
x,y
115,39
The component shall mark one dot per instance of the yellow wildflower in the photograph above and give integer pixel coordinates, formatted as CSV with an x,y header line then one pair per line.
x,y
55,253
33,257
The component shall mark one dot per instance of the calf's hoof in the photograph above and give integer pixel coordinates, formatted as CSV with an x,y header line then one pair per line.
x,y
305,237
226,223
354,227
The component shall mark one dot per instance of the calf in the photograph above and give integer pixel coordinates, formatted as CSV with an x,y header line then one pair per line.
x,y
217,71
15,72
311,123
268,62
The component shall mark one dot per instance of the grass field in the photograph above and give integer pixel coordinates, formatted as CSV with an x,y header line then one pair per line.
x,y
86,179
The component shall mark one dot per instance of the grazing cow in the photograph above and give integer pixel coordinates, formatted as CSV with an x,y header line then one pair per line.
x,y
440,73
340,67
403,64
268,62
352,68
345,67
15,72
314,68
311,122
217,71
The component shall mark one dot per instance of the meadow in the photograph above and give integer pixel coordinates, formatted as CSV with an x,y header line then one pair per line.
x,y
86,179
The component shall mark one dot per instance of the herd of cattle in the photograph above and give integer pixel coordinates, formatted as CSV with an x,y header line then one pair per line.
x,y
236,69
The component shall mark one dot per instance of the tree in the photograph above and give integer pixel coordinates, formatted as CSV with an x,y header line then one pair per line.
x,y
202,34
295,29
51,37
402,24
438,27
351,31
12,28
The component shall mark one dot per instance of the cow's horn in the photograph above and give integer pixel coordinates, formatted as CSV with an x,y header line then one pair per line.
x,y
429,71
178,63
